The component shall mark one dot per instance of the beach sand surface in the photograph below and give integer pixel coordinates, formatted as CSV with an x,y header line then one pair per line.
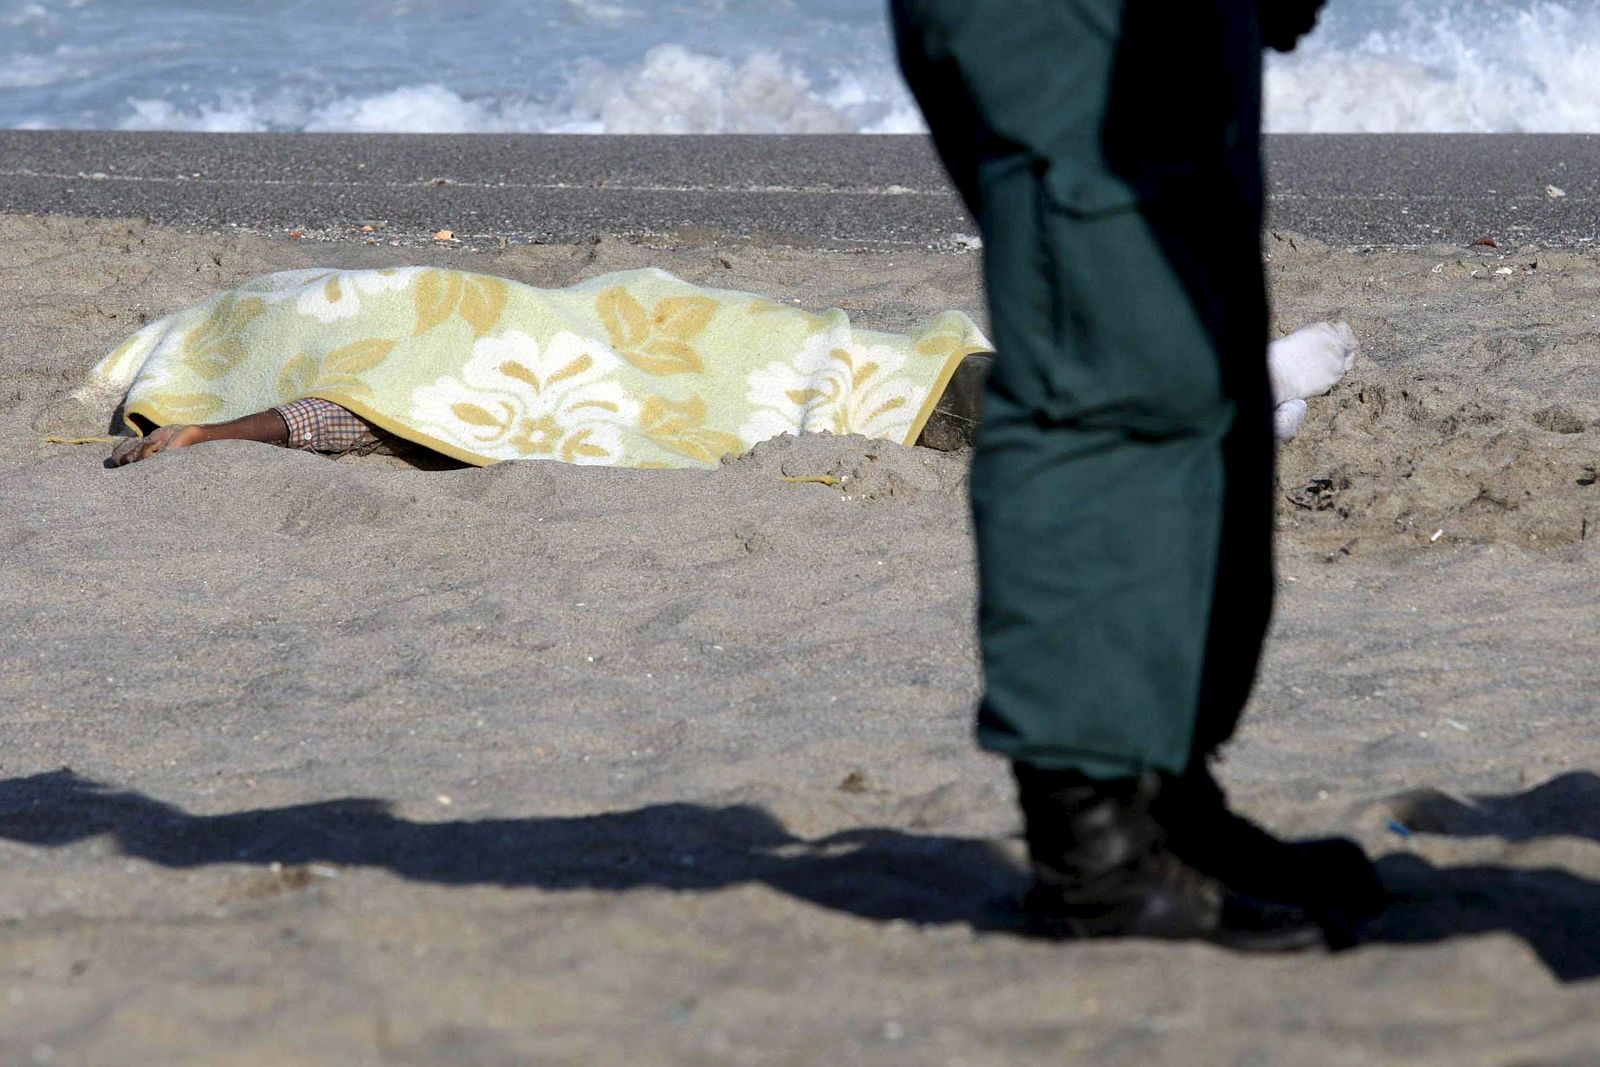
x,y
316,762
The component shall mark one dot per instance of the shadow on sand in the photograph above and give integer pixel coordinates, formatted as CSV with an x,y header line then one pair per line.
x,y
1554,911
877,874
873,873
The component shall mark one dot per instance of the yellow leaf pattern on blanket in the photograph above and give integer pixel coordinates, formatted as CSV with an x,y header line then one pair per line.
x,y
298,377
479,299
659,341
343,367
948,337
217,345
189,407
637,368
813,323
681,427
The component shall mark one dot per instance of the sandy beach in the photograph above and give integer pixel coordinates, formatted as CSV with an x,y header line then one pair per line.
x,y
317,762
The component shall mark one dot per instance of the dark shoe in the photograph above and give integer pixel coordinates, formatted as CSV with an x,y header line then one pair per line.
x,y
1331,878
955,417
1102,868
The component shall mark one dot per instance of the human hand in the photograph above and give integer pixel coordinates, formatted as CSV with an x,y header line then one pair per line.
x,y
161,439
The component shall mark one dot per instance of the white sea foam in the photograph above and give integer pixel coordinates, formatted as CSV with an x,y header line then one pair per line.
x,y
429,108
677,90
671,90
409,109
1536,69
715,66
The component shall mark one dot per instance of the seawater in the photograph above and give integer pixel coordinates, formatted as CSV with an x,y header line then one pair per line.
x,y
1442,66
708,66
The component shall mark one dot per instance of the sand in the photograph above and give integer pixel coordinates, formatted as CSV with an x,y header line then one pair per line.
x,y
350,762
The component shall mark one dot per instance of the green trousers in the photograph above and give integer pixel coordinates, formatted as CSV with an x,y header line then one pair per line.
x,y
1122,477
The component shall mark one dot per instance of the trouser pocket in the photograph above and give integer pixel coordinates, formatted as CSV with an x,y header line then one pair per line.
x,y
1100,305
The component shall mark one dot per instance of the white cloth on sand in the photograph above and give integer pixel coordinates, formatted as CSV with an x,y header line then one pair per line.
x,y
1304,364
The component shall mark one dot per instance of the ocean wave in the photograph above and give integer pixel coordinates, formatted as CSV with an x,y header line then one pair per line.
x,y
676,90
612,66
673,89
408,109
1535,70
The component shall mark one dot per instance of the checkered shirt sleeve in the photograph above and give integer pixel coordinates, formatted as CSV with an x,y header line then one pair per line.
x,y
319,425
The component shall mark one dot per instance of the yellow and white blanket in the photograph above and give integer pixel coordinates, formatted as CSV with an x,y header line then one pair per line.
x,y
633,369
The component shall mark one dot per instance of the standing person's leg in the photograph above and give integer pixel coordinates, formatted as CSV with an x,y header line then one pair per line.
x,y
1121,418
1099,478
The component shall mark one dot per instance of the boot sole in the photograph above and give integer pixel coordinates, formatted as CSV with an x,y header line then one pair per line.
x,y
1044,919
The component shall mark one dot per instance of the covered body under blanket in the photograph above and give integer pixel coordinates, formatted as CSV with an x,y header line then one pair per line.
x,y
635,369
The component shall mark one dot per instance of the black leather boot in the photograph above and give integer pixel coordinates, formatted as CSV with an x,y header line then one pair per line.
x,y
1102,868
1331,878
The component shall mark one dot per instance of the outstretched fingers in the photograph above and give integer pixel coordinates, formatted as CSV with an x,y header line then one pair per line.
x,y
159,440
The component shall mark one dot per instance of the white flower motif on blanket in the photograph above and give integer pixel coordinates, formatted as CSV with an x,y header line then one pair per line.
x,y
284,284
328,295
336,296
837,385
515,400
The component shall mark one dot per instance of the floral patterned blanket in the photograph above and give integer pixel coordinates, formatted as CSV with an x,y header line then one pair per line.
x,y
634,369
